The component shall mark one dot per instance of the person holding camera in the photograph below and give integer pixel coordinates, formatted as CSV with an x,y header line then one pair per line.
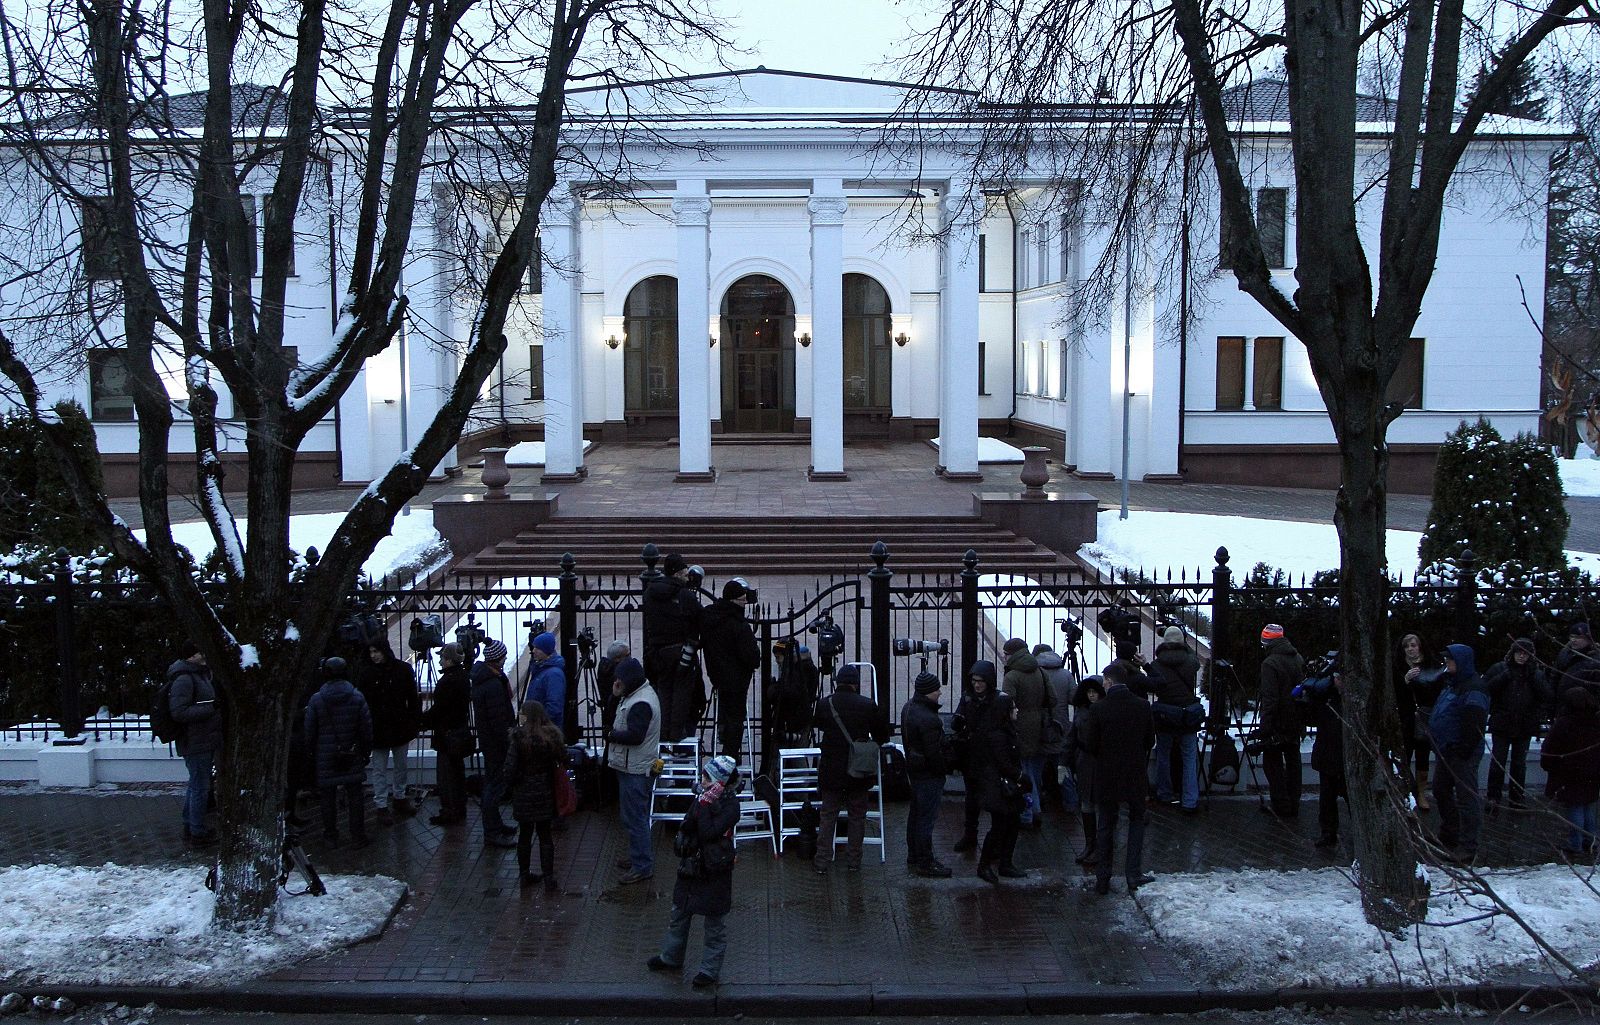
x,y
987,720
1118,731
1282,722
1034,699
850,723
192,702
671,610
492,710
706,857
732,655
339,733
1457,727
447,719
389,687
1172,680
548,685
928,758
1519,699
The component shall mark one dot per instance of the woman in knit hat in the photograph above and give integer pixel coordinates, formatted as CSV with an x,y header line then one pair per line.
x,y
705,873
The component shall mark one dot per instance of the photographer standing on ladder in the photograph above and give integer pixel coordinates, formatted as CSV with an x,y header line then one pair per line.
x,y
671,610
732,656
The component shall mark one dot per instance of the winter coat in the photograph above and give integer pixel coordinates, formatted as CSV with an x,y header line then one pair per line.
x,y
337,722
1084,765
390,690
1062,686
452,704
728,645
491,711
193,702
708,895
1571,756
530,773
927,750
1576,668
1282,719
1029,688
992,752
865,721
549,687
1118,731
1462,711
671,611
635,739
1174,675
1520,698
1327,750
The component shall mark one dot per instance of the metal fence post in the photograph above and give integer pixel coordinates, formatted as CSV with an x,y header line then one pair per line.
x,y
1466,625
879,577
71,712
567,616
969,616
1221,623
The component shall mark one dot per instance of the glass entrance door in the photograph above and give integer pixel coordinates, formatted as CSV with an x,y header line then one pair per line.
x,y
757,357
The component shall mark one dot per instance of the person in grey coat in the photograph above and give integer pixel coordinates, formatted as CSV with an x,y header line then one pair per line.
x,y
339,736
193,702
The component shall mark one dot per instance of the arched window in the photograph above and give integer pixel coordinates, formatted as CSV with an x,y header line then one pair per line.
x,y
867,324
650,358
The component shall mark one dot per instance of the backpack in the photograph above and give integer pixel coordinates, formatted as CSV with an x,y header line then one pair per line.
x,y
163,726
1223,766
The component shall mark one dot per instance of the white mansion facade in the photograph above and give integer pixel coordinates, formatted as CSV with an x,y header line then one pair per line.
x,y
763,279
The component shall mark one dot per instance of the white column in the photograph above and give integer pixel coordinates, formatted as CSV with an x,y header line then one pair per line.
x,y
691,208
958,343
827,207
1249,373
355,432
563,337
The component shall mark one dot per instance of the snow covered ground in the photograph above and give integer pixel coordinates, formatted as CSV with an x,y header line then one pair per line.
x,y
114,925
992,450
531,453
1154,541
1262,929
1580,477
414,547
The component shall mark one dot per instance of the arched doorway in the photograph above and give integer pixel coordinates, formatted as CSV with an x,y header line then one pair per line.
x,y
867,325
650,356
757,356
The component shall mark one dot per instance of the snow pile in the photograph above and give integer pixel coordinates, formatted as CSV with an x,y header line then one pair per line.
x,y
531,453
115,925
992,450
412,547
1580,477
1262,929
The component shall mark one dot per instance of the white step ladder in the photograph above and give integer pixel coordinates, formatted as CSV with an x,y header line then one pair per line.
x,y
674,788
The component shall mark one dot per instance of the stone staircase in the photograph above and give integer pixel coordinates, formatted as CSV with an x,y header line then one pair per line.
x,y
768,546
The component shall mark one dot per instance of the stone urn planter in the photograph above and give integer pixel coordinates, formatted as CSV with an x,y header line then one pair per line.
x,y
496,475
1035,475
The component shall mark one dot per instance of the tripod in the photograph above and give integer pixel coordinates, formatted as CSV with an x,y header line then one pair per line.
x,y
1225,697
294,862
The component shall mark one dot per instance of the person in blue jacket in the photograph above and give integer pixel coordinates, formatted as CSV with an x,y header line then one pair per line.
x,y
1456,726
548,684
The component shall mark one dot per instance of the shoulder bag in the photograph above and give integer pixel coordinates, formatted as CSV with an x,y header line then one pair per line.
x,y
863,761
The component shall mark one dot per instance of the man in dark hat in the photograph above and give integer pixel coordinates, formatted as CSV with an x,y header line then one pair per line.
x,y
846,718
634,744
732,655
492,712
928,759
671,609
1119,732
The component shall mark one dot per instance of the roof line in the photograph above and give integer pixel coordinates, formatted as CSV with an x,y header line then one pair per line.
x,y
762,69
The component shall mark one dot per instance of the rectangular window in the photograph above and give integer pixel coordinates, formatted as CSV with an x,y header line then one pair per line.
x,y
1065,239
1405,387
110,386
100,261
983,263
1061,369
1271,213
1266,386
536,268
252,230
1230,373
1044,369
535,371
1022,263
1022,371
983,365
1044,254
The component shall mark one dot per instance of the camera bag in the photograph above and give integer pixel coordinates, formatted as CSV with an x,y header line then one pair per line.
x,y
863,760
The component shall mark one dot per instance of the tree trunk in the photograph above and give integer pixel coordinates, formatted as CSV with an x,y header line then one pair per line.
x,y
1394,893
252,774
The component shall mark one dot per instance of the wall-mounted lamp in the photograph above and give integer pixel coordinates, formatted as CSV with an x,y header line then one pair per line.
x,y
902,339
612,343
804,340
713,341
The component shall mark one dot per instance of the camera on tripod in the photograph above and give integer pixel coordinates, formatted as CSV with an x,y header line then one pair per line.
x,y
905,647
586,648
471,635
830,637
1319,679
1123,625
427,633
1072,629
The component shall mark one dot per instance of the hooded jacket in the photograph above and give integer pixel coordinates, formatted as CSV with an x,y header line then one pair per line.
x,y
1173,675
337,721
1520,697
1029,688
549,687
671,610
1282,720
193,702
728,644
1462,710
390,689
1063,685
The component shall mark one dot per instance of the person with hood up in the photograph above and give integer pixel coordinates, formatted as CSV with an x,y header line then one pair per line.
x,y
390,688
671,612
732,655
1030,691
1283,725
192,701
1571,756
1578,663
1519,700
548,684
1173,678
993,770
1119,732
1090,690
845,718
705,873
491,710
339,735
1057,767
1456,726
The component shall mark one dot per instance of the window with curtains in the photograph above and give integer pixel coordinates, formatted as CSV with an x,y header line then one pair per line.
x,y
867,326
1264,357
1230,372
650,354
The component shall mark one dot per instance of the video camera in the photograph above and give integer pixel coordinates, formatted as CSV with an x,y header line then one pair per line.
x,y
1072,629
1124,627
471,635
830,641
586,648
1320,672
427,633
905,647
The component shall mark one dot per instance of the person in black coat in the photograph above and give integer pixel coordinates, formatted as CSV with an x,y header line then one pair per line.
x,y
1418,679
846,711
339,735
1119,732
927,765
389,686
1326,697
491,708
1571,756
192,701
1089,690
993,771
535,753
1283,727
705,885
1173,678
671,612
1520,699
448,718
732,654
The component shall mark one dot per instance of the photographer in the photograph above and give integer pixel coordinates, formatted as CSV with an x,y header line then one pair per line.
x,y
1324,692
671,610
448,720
549,683
1283,726
986,718
1457,727
845,718
1178,715
927,764
1118,731
732,655
1122,625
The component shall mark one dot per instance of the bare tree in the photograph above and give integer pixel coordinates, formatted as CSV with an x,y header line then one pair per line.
x,y
377,110
1135,103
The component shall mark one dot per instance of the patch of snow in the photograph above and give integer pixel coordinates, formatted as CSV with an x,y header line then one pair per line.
x,y
531,453
291,633
1580,477
992,450
1263,929
249,658
117,925
412,547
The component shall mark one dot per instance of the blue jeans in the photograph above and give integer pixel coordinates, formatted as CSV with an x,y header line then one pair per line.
x,y
194,799
1187,746
677,941
633,799
1582,819
1033,768
924,812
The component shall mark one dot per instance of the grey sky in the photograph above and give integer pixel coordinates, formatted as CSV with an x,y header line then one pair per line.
x,y
834,37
